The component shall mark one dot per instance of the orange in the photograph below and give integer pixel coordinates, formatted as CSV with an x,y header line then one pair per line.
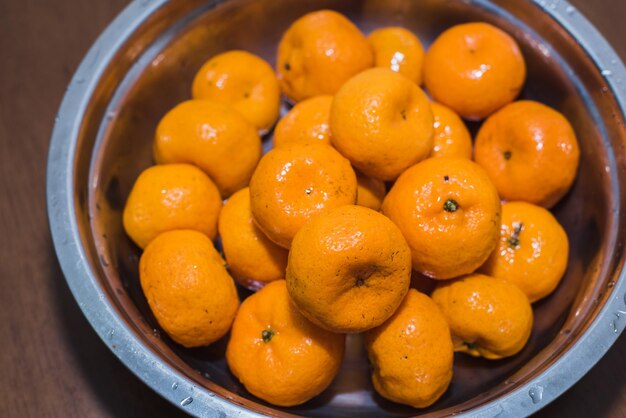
x,y
488,317
532,252
243,81
212,136
452,139
370,191
296,182
412,353
252,258
530,152
306,121
449,213
171,196
318,53
348,269
382,123
475,69
277,354
187,287
399,50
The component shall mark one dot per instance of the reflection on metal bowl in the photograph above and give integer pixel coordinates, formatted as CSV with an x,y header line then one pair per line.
x,y
143,65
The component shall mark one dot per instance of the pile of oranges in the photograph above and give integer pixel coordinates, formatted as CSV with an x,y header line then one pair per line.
x,y
371,190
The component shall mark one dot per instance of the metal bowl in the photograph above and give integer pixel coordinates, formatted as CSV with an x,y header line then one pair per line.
x,y
142,66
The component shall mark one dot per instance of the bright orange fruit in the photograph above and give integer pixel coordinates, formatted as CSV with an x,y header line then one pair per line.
x,y
489,317
475,69
382,123
530,152
212,136
532,252
171,196
252,258
319,52
412,353
399,50
277,354
348,269
449,212
245,82
188,288
296,182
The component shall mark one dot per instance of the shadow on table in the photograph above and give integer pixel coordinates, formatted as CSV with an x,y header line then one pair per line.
x,y
119,392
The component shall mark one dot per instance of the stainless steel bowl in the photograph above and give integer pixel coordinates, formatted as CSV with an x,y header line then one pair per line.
x,y
143,64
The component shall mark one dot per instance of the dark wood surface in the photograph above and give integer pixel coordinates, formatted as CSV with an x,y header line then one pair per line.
x,y
51,362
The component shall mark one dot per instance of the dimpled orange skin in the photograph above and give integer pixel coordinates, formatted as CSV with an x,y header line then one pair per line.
x,y
532,252
370,191
187,287
449,212
452,139
530,152
382,123
243,81
296,182
318,53
171,196
279,355
212,136
488,317
252,258
307,121
475,69
348,269
399,50
412,353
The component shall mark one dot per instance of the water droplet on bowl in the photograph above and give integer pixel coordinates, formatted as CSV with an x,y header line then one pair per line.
x,y
156,333
536,394
569,10
174,386
186,401
606,73
614,322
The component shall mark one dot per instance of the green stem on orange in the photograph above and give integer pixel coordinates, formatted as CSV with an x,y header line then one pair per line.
x,y
267,335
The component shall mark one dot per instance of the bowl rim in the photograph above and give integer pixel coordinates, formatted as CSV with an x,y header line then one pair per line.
x,y
168,382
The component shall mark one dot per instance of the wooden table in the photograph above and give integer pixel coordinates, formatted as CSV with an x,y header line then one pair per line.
x,y
52,364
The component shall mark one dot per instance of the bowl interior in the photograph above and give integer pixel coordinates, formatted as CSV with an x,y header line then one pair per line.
x,y
152,72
